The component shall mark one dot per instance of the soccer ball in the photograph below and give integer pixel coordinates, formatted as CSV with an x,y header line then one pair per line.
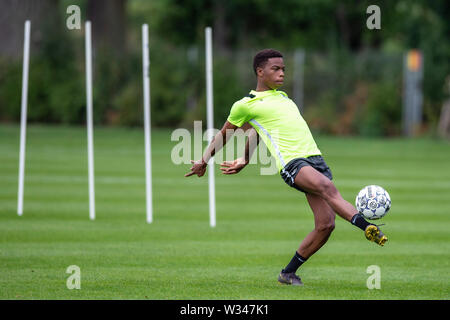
x,y
373,202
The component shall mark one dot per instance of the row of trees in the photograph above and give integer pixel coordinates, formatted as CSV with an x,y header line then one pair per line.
x,y
352,74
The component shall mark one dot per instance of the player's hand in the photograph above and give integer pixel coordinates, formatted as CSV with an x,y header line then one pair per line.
x,y
198,168
232,167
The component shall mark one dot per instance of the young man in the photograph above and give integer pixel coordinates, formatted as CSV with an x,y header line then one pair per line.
x,y
278,122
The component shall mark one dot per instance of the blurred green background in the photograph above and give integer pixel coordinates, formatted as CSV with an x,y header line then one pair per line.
x,y
352,80
352,76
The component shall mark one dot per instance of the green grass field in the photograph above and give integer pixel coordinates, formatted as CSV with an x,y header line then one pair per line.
x,y
260,222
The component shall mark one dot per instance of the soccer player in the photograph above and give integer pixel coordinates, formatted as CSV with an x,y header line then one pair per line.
x,y
278,123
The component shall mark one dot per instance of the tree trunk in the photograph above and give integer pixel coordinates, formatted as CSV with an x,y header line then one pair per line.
x,y
108,25
220,30
444,120
13,14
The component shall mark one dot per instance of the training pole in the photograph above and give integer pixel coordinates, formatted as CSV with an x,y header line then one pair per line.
x,y
147,124
23,116
210,124
89,124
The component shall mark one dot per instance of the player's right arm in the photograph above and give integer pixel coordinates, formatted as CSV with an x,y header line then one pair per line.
x,y
239,115
217,143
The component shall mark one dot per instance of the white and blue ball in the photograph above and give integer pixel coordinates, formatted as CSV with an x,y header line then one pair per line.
x,y
373,202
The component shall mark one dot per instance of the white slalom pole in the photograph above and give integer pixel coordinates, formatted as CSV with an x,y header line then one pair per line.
x,y
210,124
147,124
89,119
23,116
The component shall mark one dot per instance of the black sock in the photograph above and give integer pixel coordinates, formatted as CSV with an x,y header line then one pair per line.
x,y
296,261
359,221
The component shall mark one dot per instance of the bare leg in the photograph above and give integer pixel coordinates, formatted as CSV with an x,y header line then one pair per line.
x,y
324,217
325,201
312,181
316,183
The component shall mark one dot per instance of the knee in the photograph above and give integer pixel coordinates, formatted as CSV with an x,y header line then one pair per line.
x,y
327,189
326,227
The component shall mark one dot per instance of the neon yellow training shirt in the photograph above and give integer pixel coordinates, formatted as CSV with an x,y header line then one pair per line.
x,y
278,122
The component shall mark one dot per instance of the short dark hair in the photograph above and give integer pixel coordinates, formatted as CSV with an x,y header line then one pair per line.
x,y
262,56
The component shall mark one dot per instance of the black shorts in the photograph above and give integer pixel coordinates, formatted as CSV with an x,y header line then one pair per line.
x,y
290,171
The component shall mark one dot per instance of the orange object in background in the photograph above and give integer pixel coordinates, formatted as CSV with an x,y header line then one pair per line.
x,y
414,60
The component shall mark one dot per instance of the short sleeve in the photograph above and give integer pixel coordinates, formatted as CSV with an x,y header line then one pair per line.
x,y
239,114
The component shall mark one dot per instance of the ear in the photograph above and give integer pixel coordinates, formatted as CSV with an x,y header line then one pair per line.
x,y
259,71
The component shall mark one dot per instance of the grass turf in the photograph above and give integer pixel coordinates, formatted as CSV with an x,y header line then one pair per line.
x,y
260,222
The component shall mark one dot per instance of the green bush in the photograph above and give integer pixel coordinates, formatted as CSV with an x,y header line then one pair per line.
x,y
382,113
10,90
55,87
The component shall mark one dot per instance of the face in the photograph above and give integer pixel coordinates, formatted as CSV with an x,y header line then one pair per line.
x,y
272,74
